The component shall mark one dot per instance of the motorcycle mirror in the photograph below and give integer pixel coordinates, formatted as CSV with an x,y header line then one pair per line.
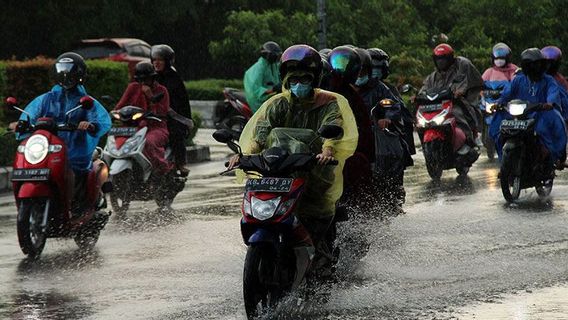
x,y
86,102
11,101
405,88
223,136
330,131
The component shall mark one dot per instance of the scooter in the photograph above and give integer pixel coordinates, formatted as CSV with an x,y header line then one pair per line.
x,y
443,142
274,265
522,165
43,185
235,112
130,171
491,93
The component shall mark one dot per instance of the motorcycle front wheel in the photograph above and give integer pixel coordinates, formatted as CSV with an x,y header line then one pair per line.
x,y
510,181
31,235
258,270
121,195
545,189
433,164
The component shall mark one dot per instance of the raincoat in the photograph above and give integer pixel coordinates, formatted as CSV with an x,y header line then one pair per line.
x,y
563,87
80,144
462,76
496,79
550,126
157,135
259,82
326,107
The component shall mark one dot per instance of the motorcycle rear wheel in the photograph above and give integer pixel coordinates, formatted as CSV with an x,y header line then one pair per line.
x,y
258,297
30,234
121,196
545,189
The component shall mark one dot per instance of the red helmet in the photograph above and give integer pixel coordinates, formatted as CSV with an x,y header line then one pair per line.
x,y
443,50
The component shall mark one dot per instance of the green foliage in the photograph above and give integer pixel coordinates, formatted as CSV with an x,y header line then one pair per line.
x,y
9,145
2,85
197,122
210,89
106,78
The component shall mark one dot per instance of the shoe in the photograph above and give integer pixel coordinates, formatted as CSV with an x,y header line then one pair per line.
x,y
182,171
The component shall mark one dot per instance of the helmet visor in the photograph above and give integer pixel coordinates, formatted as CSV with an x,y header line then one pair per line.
x,y
64,75
500,53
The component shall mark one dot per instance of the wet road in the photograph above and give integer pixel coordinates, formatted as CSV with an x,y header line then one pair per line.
x,y
457,251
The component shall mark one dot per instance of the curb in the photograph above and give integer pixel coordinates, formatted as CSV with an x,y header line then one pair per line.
x,y
5,183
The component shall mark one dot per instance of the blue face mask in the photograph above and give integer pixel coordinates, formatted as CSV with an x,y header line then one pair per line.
x,y
301,90
377,74
361,81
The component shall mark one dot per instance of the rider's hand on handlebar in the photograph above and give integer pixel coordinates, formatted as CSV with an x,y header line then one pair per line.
x,y
547,106
147,91
233,162
325,156
84,126
12,126
383,123
458,94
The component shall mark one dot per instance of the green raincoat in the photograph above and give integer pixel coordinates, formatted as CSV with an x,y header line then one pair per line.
x,y
259,81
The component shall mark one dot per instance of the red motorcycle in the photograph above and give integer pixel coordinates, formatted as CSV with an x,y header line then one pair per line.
x,y
44,184
443,142
234,114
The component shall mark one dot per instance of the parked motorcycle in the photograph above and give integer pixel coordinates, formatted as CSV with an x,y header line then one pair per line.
x,y
523,165
234,114
491,93
443,142
130,171
275,265
43,185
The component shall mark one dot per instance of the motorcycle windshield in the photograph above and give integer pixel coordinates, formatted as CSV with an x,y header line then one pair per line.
x,y
295,140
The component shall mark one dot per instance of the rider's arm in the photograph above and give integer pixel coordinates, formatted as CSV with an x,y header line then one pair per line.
x,y
99,117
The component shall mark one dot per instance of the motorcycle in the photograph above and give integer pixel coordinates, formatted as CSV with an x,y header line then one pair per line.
x,y
443,142
235,112
522,165
275,265
43,185
491,93
130,171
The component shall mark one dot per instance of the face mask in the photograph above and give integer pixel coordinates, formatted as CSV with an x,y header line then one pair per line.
x,y
301,90
361,81
377,74
500,62
443,64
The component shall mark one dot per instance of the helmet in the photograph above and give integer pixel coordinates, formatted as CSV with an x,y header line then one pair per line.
x,y
501,51
70,70
325,52
380,59
326,72
443,49
551,53
365,59
554,56
301,57
271,51
533,63
164,52
144,70
345,62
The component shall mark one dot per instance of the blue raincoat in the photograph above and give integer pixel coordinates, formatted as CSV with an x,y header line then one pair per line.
x,y
80,144
550,126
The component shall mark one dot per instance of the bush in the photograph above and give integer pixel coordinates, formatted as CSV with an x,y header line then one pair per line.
x,y
197,121
28,79
210,89
9,145
2,85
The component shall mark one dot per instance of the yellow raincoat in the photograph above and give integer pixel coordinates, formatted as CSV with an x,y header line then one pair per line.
x,y
325,108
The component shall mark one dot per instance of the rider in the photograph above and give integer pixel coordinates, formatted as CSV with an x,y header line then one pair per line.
x,y
163,57
262,80
535,86
345,65
554,57
462,78
70,72
145,92
502,69
303,105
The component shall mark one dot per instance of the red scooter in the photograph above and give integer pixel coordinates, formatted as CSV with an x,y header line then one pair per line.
x,y
234,114
44,183
443,142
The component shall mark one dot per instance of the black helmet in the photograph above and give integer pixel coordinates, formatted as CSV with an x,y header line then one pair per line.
x,y
70,70
380,59
365,59
144,70
345,63
163,52
533,63
271,51
301,57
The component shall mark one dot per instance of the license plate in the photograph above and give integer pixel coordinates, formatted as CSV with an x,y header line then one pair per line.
x,y
122,131
269,185
515,124
30,175
431,107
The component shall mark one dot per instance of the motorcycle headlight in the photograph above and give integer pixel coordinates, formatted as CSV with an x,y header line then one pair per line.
x,y
421,121
246,206
36,149
264,209
439,119
516,109
285,206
